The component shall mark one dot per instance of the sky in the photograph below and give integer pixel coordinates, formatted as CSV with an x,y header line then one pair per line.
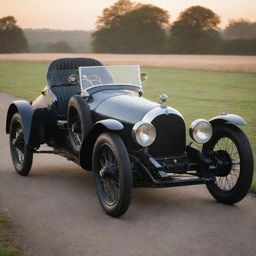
x,y
82,14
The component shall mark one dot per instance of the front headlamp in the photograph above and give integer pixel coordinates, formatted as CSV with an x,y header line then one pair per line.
x,y
200,131
144,133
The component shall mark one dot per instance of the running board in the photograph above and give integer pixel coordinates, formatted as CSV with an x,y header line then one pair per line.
x,y
174,182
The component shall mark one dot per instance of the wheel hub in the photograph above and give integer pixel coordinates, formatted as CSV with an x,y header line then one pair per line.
x,y
75,127
108,171
224,163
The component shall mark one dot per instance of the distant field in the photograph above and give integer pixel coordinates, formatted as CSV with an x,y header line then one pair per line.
x,y
188,62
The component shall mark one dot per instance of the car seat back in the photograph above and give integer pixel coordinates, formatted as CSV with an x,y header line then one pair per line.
x,y
59,79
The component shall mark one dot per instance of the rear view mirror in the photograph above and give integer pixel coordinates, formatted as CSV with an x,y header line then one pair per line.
x,y
143,77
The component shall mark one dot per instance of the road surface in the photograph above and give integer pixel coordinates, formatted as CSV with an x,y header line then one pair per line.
x,y
55,212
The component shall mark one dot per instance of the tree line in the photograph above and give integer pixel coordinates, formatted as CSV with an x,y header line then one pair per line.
x,y
14,40
52,40
128,27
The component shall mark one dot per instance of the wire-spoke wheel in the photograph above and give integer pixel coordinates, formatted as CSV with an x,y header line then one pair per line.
x,y
75,130
226,183
231,145
108,174
112,173
22,156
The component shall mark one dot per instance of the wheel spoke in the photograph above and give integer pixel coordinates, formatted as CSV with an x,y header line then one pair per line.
x,y
108,174
76,129
17,143
228,182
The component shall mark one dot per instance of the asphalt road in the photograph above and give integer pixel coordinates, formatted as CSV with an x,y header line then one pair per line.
x,y
55,212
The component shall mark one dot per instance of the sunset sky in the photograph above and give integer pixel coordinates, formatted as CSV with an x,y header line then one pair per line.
x,y
82,14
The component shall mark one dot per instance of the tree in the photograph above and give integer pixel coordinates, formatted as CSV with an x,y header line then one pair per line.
x,y
12,38
194,31
111,16
240,29
139,30
239,46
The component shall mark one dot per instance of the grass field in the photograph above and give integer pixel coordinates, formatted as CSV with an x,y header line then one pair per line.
x,y
196,94
6,249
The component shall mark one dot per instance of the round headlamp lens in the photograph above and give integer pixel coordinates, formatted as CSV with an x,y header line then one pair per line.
x,y
200,131
144,133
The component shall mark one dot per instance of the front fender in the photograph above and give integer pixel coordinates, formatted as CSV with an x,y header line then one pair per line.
x,y
228,118
99,127
109,124
26,112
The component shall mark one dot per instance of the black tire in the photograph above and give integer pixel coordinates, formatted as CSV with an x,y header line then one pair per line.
x,y
113,175
233,187
22,155
79,122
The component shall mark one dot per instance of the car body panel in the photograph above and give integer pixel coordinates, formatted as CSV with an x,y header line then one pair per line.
x,y
45,99
126,107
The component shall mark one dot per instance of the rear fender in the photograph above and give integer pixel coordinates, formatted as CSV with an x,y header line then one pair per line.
x,y
29,120
107,125
26,112
228,118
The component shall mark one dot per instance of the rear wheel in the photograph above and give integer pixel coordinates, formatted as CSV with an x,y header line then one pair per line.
x,y
231,144
79,122
22,155
75,130
112,173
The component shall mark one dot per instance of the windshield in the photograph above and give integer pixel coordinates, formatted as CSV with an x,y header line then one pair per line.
x,y
109,75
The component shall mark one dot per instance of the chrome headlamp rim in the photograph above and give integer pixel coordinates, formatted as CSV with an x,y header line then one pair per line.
x,y
192,130
135,129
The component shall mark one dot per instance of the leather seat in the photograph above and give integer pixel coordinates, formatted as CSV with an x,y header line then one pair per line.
x,y
58,80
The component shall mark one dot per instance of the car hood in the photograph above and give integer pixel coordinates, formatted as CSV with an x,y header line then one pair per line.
x,y
124,106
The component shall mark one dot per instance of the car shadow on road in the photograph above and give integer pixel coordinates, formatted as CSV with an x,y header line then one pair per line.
x,y
74,180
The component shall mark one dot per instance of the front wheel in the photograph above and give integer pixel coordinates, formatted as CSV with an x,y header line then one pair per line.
x,y
113,176
22,155
230,143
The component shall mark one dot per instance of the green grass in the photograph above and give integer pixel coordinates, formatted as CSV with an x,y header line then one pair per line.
x,y
196,94
6,249
253,187
22,79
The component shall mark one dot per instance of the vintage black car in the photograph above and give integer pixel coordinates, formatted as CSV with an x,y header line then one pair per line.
x,y
96,116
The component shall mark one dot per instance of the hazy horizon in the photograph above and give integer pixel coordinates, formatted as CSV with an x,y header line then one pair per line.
x,y
62,15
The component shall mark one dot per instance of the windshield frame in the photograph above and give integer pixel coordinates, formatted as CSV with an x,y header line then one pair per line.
x,y
119,85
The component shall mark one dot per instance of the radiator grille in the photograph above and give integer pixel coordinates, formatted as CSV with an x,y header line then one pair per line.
x,y
171,136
